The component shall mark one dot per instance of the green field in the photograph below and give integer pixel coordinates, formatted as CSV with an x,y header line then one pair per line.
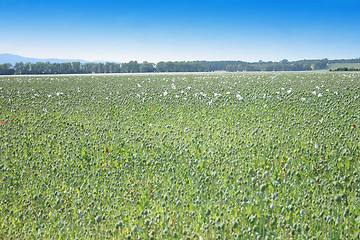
x,y
180,156
334,66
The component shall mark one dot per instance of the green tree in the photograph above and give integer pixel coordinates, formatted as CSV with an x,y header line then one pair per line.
x,y
130,67
321,64
76,67
26,68
147,67
66,68
231,68
19,68
55,68
161,67
5,69
101,68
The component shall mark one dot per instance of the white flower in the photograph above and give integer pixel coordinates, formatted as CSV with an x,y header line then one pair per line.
x,y
138,85
165,93
303,99
239,97
319,95
317,87
202,94
314,92
265,106
289,91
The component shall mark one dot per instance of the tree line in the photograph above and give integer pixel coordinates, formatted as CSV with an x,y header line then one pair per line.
x,y
345,69
59,68
178,66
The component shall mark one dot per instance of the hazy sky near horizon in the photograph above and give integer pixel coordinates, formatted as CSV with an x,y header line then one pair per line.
x,y
159,30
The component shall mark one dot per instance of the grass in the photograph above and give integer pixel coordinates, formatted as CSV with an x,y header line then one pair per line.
x,y
196,156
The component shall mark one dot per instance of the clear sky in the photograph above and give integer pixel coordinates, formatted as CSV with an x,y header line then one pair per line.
x,y
159,30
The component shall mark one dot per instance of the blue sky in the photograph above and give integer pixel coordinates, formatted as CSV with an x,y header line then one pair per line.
x,y
162,30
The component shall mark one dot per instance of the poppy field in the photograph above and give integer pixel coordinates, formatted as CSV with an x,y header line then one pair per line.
x,y
180,156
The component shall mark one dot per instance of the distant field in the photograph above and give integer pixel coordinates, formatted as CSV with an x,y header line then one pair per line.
x,y
180,156
342,65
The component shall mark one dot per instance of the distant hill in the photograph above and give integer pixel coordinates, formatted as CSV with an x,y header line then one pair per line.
x,y
12,59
